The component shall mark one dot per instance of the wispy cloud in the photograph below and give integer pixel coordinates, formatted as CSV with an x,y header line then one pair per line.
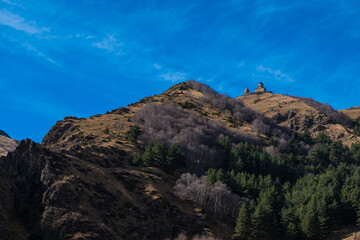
x,y
157,66
110,43
31,48
19,23
265,9
173,77
12,3
277,74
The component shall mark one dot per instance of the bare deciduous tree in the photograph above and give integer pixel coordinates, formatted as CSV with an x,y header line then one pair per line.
x,y
216,198
260,127
273,151
198,137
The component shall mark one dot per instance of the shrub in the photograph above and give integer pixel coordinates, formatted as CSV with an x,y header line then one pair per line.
x,y
136,159
106,131
322,138
133,134
305,136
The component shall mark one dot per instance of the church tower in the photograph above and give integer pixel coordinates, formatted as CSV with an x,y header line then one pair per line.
x,y
260,88
246,91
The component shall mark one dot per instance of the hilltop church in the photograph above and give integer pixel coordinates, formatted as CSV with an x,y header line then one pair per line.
x,y
260,89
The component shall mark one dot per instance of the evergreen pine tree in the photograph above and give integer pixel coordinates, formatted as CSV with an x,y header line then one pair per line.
x,y
261,221
148,156
309,221
174,157
159,154
242,228
306,136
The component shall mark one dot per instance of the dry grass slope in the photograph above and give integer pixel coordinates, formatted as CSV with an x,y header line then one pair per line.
x,y
353,112
295,114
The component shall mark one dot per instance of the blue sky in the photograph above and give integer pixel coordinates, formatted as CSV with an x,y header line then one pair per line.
x,y
80,58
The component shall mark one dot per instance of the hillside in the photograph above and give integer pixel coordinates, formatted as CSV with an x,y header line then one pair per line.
x,y
298,114
6,144
88,183
353,112
129,173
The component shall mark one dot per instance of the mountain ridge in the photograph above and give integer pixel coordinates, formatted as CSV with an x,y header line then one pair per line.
x,y
84,180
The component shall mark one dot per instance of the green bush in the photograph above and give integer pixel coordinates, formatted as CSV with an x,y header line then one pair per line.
x,y
322,138
136,160
133,134
106,130
158,155
305,136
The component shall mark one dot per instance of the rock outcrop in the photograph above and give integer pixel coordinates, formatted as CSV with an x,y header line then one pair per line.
x,y
6,143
